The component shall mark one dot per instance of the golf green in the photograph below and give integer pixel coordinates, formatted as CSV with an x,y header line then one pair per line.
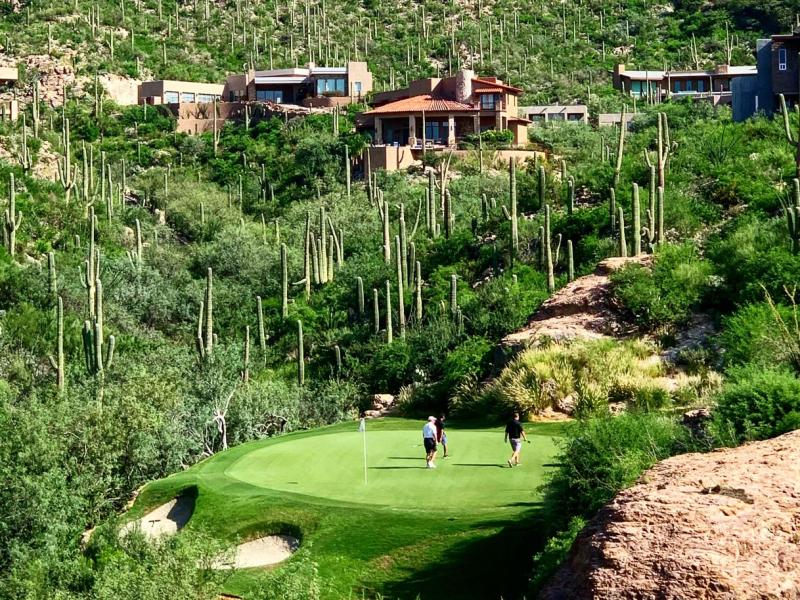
x,y
475,476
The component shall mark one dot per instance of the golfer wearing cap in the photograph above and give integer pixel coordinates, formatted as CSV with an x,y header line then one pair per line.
x,y
515,434
429,439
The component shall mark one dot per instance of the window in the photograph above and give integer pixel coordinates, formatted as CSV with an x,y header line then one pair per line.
x,y
701,86
676,86
356,88
330,87
488,101
207,98
782,59
637,89
171,97
275,96
536,118
187,97
556,117
574,116
436,130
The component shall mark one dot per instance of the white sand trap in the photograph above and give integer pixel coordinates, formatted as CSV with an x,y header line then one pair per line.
x,y
269,550
167,519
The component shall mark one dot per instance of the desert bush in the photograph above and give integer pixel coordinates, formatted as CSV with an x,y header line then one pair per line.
x,y
759,403
668,293
749,336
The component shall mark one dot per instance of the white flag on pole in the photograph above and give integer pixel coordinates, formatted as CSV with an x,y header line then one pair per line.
x,y
362,426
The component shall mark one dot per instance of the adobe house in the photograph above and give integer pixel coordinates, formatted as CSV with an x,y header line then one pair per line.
x,y
311,86
178,92
712,85
574,113
9,107
443,111
614,119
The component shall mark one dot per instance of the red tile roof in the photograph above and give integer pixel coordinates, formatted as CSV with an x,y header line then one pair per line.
x,y
487,90
493,83
419,103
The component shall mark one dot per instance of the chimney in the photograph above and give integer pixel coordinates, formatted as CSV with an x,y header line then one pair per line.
x,y
722,69
616,78
464,79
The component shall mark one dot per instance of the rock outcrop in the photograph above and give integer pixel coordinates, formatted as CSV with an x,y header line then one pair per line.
x,y
582,309
717,526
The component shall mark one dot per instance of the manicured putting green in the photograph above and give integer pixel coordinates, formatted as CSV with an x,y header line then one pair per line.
x,y
475,477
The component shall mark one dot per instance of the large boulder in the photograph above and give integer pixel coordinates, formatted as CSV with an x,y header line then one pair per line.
x,y
723,525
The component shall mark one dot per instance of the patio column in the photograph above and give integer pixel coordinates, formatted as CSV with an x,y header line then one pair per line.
x,y
451,130
378,130
476,124
412,130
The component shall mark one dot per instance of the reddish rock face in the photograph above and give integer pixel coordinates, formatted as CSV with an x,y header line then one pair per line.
x,y
717,526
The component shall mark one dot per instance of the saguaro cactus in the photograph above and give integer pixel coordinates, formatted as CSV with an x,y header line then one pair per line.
x,y
453,293
637,223
792,139
401,308
376,312
551,282
360,295
205,321
418,291
664,148
620,148
66,172
301,360
388,312
512,176
262,332
285,282
12,219
623,247
58,363
570,262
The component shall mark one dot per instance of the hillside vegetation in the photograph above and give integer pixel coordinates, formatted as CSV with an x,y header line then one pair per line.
x,y
164,297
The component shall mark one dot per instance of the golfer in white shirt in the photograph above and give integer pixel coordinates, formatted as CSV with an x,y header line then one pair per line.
x,y
429,439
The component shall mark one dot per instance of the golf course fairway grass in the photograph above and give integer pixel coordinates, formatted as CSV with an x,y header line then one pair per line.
x,y
469,527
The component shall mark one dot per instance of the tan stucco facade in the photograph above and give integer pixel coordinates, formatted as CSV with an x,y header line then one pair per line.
x,y
174,92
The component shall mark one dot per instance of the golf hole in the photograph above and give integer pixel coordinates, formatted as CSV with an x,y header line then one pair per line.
x,y
167,519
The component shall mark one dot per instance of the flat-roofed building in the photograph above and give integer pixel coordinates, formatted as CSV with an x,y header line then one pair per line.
x,y
613,119
312,86
166,91
573,113
8,76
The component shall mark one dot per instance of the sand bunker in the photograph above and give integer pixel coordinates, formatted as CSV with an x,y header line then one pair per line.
x,y
261,552
167,519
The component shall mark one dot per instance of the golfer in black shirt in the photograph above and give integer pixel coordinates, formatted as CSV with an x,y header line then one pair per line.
x,y
515,434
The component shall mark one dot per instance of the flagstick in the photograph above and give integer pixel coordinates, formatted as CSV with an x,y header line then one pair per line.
x,y
364,429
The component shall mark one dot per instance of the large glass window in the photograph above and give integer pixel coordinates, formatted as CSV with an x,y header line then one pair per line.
x,y
575,116
275,96
330,86
357,88
701,85
187,97
171,97
207,98
488,101
782,59
637,89
436,130
676,85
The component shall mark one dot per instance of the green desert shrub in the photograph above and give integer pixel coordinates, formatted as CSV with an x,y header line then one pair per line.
x,y
749,336
592,373
602,455
759,403
667,293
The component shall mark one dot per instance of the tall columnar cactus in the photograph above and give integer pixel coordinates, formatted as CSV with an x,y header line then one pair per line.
x,y
324,276
301,359
623,247
35,109
58,363
551,281
792,139
92,265
664,148
376,312
387,244
401,306
205,323
12,219
431,205
262,332
66,172
402,250
93,337
660,218
308,247
360,296
620,148
570,195
542,186
637,222
135,256
52,281
284,282
418,291
612,208
347,172
337,355
246,357
388,312
25,156
512,216
570,262
448,215
453,293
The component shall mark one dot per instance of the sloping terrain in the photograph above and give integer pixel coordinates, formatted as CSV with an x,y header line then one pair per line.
x,y
720,526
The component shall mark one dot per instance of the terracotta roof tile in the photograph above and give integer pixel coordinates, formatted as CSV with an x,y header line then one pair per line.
x,y
495,84
419,103
487,90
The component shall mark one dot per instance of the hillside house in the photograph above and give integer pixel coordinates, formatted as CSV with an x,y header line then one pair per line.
x,y
614,119
311,86
573,113
441,112
178,92
713,85
9,106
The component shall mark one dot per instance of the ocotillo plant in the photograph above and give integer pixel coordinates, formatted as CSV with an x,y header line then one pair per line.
x,y
301,360
58,363
284,282
12,219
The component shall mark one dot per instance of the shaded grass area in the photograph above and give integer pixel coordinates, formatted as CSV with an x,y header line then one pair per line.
x,y
449,544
